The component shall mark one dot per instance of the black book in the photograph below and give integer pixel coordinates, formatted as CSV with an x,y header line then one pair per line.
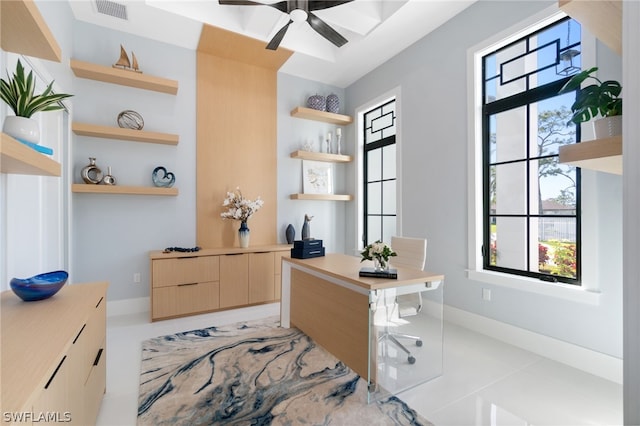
x,y
372,273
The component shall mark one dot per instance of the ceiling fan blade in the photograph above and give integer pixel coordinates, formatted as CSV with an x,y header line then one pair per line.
x,y
281,5
240,3
325,4
275,41
325,30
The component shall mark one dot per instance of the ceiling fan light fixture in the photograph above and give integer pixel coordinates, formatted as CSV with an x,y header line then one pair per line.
x,y
298,15
299,11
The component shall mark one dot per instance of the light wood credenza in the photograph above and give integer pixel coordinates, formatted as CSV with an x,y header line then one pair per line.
x,y
214,279
53,361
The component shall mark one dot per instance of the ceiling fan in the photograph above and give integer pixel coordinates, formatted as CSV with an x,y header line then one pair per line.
x,y
298,11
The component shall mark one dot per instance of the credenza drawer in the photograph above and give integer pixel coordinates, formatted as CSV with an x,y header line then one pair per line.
x,y
185,299
96,384
95,330
185,270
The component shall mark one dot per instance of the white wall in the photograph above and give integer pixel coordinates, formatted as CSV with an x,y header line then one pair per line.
x,y
33,209
432,75
631,177
112,234
329,222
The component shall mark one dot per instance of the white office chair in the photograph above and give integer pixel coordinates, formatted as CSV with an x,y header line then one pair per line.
x,y
412,253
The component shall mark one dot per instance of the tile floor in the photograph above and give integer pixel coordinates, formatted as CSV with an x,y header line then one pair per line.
x,y
484,381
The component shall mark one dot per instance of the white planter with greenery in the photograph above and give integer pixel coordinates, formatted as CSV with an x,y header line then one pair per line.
x,y
607,127
17,92
22,129
601,98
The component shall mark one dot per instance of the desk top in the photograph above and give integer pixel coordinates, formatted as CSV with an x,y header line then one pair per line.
x,y
346,268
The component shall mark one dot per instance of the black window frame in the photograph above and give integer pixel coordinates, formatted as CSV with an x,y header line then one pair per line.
x,y
523,99
368,147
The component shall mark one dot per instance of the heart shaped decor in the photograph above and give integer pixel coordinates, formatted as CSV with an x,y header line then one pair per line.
x,y
162,178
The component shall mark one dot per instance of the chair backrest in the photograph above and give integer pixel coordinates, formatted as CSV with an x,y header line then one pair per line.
x,y
412,252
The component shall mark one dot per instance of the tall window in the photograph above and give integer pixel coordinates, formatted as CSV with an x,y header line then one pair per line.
x,y
380,173
531,202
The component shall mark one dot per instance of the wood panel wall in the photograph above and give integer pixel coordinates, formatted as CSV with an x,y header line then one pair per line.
x,y
236,134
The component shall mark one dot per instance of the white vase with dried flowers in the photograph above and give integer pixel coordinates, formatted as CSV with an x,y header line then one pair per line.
x,y
240,208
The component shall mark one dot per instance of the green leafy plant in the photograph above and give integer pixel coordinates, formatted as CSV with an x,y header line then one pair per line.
x,y
602,97
17,92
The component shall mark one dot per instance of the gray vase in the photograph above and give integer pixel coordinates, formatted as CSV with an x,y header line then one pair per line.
x,y
317,102
290,233
333,103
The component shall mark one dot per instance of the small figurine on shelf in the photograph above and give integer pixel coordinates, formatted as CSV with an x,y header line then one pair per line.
x,y
129,119
125,64
328,149
338,138
91,173
162,178
308,145
306,228
108,179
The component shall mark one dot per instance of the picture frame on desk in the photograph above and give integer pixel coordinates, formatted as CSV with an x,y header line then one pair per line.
x,y
317,177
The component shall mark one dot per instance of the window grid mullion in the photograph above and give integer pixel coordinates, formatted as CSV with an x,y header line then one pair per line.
x,y
528,181
529,98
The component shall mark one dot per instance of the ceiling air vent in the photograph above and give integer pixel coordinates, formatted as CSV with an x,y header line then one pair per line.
x,y
111,8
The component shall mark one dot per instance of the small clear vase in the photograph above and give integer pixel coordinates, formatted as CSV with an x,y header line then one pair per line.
x,y
243,235
380,264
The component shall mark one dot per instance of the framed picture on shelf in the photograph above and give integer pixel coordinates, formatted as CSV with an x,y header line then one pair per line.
x,y
317,177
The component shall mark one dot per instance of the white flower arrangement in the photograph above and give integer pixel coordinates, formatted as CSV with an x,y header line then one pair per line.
x,y
238,207
378,251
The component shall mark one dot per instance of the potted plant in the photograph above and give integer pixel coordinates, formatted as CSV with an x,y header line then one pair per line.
x,y
601,98
18,93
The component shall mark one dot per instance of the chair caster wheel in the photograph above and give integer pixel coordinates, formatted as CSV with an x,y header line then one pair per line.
x,y
418,342
411,360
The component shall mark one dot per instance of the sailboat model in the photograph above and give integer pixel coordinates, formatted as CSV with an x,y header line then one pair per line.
x,y
125,64
135,66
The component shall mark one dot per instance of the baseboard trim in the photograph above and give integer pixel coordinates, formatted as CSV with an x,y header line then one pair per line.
x,y
128,306
596,363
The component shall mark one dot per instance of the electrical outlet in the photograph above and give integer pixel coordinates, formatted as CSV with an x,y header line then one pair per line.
x,y
136,277
486,294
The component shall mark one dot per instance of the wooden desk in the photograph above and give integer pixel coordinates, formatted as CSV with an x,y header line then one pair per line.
x,y
325,298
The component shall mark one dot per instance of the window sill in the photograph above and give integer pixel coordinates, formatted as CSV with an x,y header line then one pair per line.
x,y
557,290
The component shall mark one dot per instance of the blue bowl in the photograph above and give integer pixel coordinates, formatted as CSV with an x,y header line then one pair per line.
x,y
40,286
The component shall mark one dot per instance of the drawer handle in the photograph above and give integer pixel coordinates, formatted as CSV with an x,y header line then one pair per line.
x,y
55,372
99,301
79,333
234,254
187,257
184,285
97,360
315,251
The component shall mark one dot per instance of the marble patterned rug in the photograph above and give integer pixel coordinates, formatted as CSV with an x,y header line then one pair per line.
x,y
255,373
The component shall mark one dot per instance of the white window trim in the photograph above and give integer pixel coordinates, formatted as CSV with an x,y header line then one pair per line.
x,y
394,93
588,292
